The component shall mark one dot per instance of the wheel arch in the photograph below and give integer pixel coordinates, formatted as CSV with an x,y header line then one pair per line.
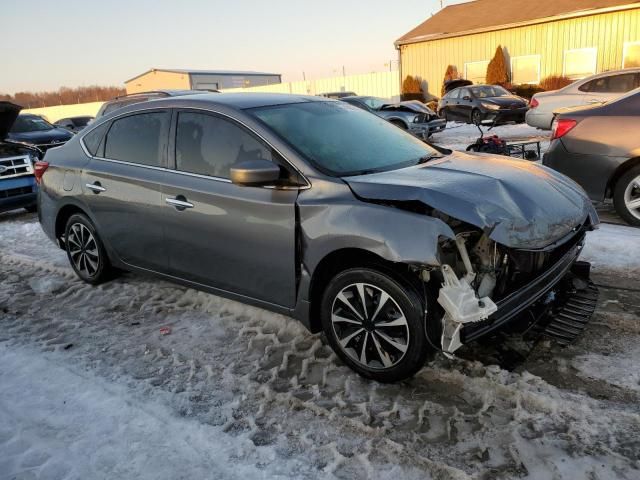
x,y
348,258
619,172
62,217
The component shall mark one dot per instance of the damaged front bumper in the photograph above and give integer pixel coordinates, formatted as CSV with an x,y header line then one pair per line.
x,y
551,298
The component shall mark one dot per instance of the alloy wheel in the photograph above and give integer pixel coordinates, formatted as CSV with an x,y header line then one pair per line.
x,y
83,250
369,326
632,197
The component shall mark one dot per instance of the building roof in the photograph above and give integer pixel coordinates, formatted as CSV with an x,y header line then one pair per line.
x,y
189,71
487,15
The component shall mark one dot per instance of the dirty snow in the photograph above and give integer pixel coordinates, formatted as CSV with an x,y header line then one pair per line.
x,y
90,389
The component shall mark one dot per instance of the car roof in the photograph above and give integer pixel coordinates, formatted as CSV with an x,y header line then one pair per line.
x,y
241,100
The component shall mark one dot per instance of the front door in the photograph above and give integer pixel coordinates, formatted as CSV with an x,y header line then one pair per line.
x,y
235,238
121,185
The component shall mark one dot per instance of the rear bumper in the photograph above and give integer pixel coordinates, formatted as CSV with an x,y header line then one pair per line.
x,y
19,192
539,120
517,302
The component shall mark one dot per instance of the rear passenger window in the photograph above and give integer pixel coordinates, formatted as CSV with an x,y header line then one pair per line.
x,y
139,138
210,145
93,139
613,84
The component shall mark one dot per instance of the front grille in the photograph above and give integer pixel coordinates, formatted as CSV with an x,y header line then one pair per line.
x,y
15,192
15,167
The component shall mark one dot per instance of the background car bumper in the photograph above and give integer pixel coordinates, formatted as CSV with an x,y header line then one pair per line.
x,y
591,172
18,192
540,120
511,115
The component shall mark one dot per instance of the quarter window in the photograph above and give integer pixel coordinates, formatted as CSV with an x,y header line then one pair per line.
x,y
139,138
580,63
93,139
210,145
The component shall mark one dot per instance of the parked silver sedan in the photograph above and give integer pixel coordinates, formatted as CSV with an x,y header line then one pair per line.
x,y
592,90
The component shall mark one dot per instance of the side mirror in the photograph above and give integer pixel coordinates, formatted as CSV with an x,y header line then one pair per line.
x,y
255,173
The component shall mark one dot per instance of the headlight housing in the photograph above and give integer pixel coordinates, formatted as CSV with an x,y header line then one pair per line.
x,y
490,106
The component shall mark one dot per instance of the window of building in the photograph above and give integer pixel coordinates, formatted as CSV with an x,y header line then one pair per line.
x,y
476,71
525,69
210,145
138,138
580,63
631,55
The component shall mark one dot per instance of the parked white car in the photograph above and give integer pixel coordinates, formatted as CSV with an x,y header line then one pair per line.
x,y
595,89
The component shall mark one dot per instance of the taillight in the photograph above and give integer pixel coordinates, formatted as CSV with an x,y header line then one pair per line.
x,y
534,103
38,170
561,127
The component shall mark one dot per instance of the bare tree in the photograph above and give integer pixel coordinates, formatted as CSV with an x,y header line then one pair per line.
x,y
63,96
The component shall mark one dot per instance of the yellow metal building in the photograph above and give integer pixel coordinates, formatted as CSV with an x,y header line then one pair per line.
x,y
184,79
574,38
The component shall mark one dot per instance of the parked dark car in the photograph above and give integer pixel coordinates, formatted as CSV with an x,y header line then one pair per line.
x,y
125,100
17,183
74,124
316,209
599,147
35,130
411,115
337,95
480,103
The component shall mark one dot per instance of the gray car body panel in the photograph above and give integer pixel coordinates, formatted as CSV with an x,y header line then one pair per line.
x,y
520,205
601,143
274,240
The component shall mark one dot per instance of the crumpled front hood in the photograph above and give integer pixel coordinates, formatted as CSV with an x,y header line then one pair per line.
x,y
521,204
8,114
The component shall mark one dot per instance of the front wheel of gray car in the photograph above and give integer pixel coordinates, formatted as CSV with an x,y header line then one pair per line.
x,y
626,196
375,325
85,250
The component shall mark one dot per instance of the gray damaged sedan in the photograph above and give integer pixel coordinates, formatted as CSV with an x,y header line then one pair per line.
x,y
312,208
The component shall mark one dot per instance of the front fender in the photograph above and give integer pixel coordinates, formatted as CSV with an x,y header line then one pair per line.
x,y
393,234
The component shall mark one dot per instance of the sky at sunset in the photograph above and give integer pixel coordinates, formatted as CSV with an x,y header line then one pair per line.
x,y
48,44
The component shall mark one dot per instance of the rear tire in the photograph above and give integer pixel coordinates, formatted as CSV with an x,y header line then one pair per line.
x,y
375,324
626,196
85,250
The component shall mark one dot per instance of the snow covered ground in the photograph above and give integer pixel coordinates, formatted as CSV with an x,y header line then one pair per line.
x,y
90,389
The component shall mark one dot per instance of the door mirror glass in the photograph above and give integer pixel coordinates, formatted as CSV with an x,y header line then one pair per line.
x,y
255,173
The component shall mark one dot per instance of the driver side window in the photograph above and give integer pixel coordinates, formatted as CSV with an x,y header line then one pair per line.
x,y
210,145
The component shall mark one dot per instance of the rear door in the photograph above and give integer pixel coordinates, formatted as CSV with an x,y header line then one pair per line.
x,y
122,186
235,238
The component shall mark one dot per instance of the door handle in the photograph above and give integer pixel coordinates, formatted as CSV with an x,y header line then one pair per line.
x,y
95,187
180,202
595,100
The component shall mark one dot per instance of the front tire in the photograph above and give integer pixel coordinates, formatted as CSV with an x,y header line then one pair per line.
x,y
626,196
399,124
375,325
85,250
476,117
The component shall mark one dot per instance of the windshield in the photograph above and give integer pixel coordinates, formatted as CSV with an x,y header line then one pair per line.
x,y
376,103
489,91
342,140
30,123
